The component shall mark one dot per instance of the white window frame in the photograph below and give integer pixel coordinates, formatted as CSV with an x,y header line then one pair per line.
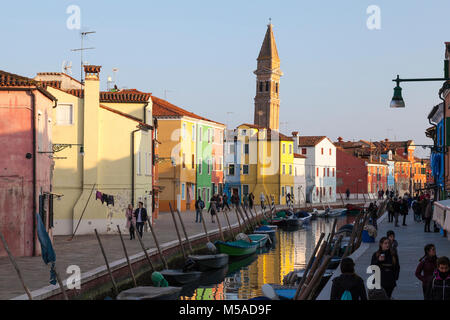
x,y
283,172
200,166
209,166
193,132
284,148
200,133
183,133
139,164
71,122
248,169
229,166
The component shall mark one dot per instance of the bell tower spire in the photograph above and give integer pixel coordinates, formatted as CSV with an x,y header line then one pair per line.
x,y
268,73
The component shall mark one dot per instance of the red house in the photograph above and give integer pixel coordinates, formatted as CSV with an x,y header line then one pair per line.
x,y
26,162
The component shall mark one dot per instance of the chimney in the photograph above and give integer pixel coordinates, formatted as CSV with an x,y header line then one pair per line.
x,y
295,133
91,122
340,139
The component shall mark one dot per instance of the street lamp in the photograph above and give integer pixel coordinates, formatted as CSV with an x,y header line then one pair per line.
x,y
397,99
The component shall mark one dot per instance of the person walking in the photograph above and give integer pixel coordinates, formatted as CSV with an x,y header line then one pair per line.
x,y
235,200
348,286
251,200
141,217
347,192
382,194
394,244
416,209
263,199
245,201
131,220
428,214
373,214
404,210
390,210
439,286
219,204
426,267
397,208
212,208
225,202
389,265
199,205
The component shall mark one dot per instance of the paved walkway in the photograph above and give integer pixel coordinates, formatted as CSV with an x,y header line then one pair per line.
x,y
85,252
411,241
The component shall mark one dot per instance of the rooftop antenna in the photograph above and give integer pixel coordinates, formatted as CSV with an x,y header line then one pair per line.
x,y
67,67
81,49
115,75
270,21
165,93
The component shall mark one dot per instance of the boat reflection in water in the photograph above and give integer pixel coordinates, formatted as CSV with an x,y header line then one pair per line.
x,y
290,250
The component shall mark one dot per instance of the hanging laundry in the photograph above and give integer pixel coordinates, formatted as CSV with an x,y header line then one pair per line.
x,y
110,201
104,198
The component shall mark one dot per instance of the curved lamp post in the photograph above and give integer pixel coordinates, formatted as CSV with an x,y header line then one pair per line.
x,y
398,102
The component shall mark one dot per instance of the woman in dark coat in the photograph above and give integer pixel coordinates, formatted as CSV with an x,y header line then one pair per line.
x,y
404,210
389,265
427,266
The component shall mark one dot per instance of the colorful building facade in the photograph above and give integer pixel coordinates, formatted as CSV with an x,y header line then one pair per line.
x,y
106,163
26,119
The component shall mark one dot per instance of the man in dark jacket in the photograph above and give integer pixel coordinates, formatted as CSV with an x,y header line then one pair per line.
x,y
404,210
439,286
348,281
397,208
141,216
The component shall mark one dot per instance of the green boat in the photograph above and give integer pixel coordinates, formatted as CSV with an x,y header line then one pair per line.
x,y
236,248
261,239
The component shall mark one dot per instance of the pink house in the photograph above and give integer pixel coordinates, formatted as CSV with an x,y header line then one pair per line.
x,y
26,162
217,155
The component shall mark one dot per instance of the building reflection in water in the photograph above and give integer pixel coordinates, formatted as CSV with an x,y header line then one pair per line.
x,y
292,250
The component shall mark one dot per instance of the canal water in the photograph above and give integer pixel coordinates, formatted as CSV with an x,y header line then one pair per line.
x,y
243,279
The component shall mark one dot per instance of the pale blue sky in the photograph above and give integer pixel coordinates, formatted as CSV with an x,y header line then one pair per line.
x,y
337,72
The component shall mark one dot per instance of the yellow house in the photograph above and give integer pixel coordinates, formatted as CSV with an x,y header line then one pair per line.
x,y
103,144
266,162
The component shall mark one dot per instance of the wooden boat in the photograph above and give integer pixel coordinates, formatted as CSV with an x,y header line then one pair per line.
x,y
210,261
266,230
354,209
261,239
293,221
277,221
176,277
150,293
285,292
236,248
304,216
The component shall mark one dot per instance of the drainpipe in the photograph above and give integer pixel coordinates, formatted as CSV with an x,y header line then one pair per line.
x,y
132,165
145,112
444,144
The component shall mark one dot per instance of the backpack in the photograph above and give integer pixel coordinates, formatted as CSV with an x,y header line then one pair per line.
x,y
201,204
346,295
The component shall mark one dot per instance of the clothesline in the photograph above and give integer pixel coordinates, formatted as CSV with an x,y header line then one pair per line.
x,y
103,197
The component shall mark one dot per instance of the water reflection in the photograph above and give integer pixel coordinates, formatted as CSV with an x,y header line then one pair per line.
x,y
291,250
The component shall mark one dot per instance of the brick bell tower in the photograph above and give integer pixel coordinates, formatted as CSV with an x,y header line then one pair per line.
x,y
268,73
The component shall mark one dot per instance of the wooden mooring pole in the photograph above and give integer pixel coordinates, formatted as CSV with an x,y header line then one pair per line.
x,y
176,229
19,274
116,291
126,256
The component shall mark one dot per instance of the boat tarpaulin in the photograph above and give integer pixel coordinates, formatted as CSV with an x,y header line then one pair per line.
x,y
48,254
441,210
